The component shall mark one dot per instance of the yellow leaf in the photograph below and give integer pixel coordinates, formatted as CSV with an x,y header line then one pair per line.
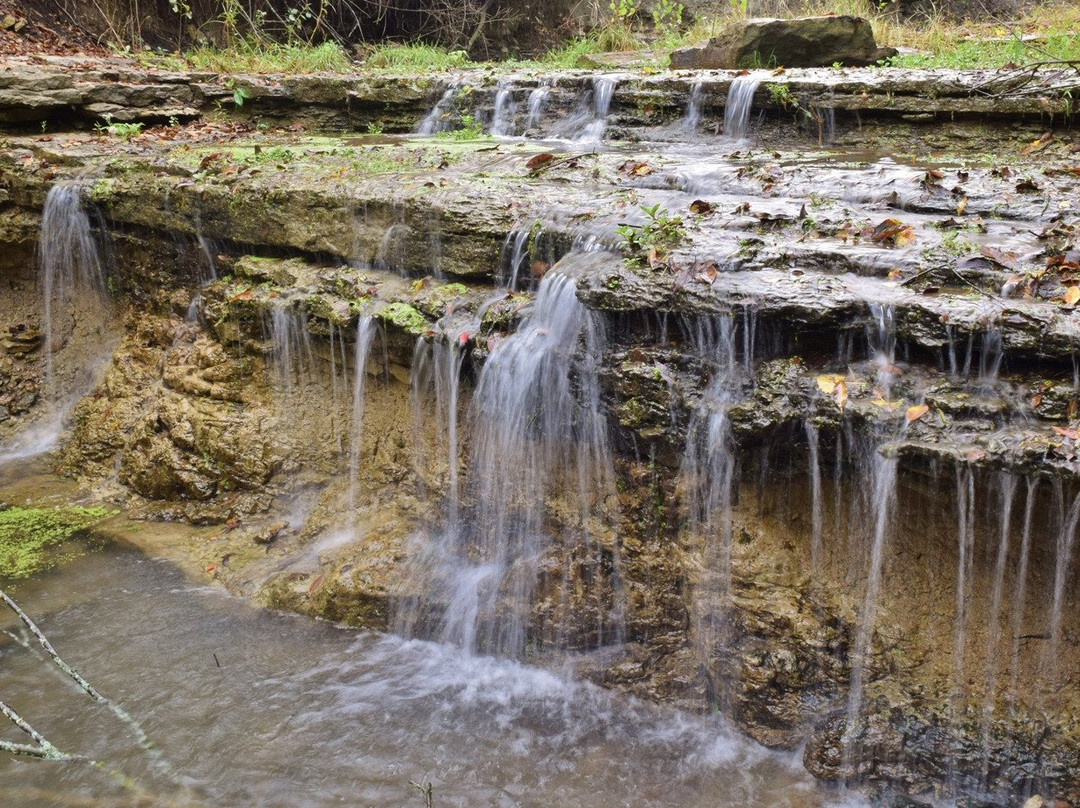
x,y
827,383
960,208
916,412
1072,295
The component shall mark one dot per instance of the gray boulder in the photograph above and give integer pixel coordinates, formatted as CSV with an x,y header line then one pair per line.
x,y
800,42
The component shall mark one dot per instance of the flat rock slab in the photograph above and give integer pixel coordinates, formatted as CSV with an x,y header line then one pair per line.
x,y
801,42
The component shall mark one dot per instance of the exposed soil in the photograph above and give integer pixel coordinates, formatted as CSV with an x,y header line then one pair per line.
x,y
42,32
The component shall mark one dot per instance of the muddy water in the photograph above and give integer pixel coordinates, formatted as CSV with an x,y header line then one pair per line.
x,y
253,708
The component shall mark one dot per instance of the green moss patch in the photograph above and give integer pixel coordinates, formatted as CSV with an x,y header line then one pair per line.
x,y
29,537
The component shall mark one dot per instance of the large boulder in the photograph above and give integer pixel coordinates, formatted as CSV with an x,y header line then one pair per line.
x,y
801,42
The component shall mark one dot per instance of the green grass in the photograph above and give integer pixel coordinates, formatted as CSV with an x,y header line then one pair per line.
x,y
274,57
994,52
29,536
415,56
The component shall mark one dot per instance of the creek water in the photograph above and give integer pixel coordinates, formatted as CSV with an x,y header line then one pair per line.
x,y
255,708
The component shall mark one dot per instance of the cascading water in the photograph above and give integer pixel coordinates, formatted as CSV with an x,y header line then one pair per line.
x,y
993,652
707,476
290,351
692,115
69,265
740,100
882,506
436,118
365,335
502,119
590,123
537,101
816,518
75,315
538,433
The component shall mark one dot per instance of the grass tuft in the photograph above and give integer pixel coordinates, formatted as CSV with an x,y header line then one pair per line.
x,y
274,57
414,56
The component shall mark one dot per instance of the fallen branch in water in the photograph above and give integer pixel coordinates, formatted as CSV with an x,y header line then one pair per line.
x,y
85,686
43,750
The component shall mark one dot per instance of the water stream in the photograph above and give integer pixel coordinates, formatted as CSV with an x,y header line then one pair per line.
x,y
268,710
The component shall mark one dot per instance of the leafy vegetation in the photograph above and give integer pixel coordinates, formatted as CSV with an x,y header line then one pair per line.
x,y
125,131
28,536
659,234
400,57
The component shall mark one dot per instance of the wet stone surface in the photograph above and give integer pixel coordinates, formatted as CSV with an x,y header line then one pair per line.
x,y
812,314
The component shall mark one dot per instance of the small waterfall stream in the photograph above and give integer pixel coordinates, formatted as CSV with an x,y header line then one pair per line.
x,y
740,99
538,432
70,267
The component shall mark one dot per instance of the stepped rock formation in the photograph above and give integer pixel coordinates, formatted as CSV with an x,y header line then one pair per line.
x,y
791,433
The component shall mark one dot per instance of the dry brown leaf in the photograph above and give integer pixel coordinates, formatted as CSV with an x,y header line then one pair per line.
x,y
914,413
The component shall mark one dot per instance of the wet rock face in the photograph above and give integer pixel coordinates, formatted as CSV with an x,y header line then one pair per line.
x,y
813,317
800,42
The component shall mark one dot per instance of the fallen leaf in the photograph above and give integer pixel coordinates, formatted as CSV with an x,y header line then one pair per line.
x,y
539,161
827,383
961,206
1036,400
1072,295
894,275
701,207
916,412
1066,432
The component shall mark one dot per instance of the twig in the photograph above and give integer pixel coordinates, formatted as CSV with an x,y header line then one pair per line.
x,y
973,286
44,749
915,277
90,690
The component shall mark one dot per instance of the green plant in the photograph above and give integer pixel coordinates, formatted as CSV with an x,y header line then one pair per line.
x,y
239,94
374,128
667,16
660,232
623,10
125,131
470,129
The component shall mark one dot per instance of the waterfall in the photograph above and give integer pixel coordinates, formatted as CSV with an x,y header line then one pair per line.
x,y
993,635
514,258
692,115
814,463
881,336
707,476
882,505
69,266
538,432
1020,592
291,353
740,99
435,120
991,354
365,335
537,101
1064,547
502,119
594,128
